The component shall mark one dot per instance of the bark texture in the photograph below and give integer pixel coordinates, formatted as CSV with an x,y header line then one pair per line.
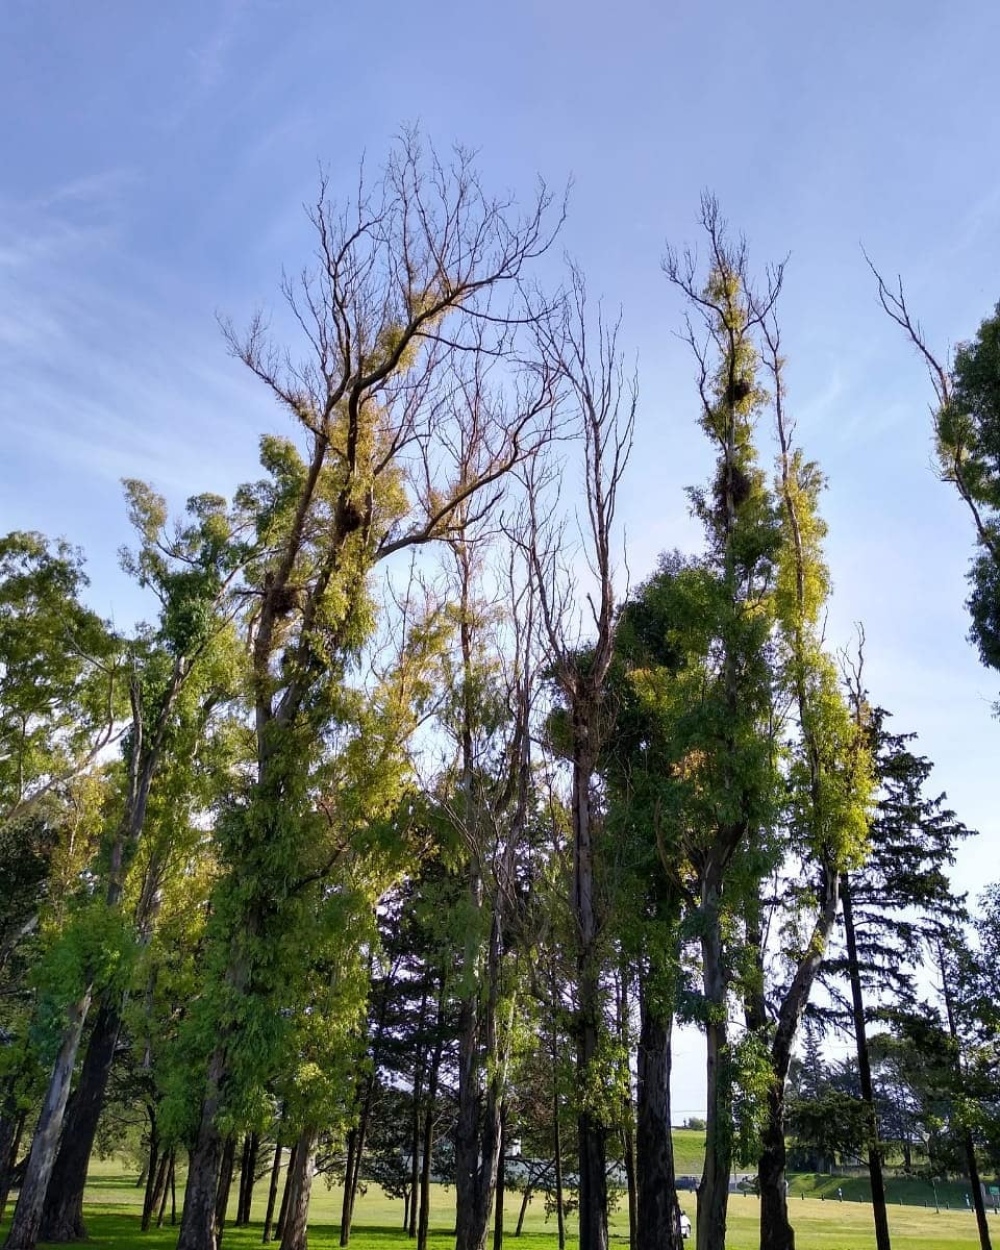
x,y
658,1224
62,1215
26,1225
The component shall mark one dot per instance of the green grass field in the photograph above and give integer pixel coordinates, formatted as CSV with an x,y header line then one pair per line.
x,y
821,1221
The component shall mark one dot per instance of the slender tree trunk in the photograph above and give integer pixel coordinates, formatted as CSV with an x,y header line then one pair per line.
x,y
713,1193
658,1224
248,1178
272,1192
153,1169
294,1231
156,1195
27,1221
557,1161
479,1157
592,1133
879,1210
226,1169
433,1073
348,1200
62,1215
359,1135
628,1107
169,1190
776,1232
286,1193
11,1128
525,1200
982,1221
418,1082
501,1189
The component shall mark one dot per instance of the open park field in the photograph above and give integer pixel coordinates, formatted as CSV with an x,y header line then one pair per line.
x,y
114,1203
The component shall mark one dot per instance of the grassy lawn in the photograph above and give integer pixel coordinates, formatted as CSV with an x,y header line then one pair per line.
x,y
822,1222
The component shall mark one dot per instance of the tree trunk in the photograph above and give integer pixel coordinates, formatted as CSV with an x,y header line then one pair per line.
x,y
776,1233
198,1230
628,1109
418,1082
658,1225
248,1178
151,1171
62,1215
501,1189
879,1210
592,1133
225,1186
272,1192
11,1128
296,1216
557,1150
713,1192
982,1222
156,1192
359,1135
286,1192
27,1221
528,1191
168,1191
478,1146
429,1115
348,1200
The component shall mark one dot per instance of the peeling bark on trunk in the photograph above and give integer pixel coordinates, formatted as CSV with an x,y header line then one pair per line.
x,y
658,1225
62,1215
294,1235
25,1227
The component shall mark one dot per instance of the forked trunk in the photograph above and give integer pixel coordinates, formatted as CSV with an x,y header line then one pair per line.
x,y
24,1230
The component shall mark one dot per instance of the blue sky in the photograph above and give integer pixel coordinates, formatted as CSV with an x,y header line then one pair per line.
x,y
155,158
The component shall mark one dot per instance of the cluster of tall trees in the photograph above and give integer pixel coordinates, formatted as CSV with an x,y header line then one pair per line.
x,y
403,831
